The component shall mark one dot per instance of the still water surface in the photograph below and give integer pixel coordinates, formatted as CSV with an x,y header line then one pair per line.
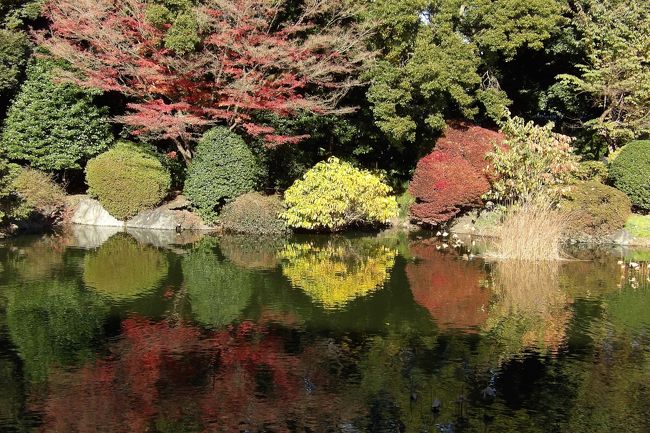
x,y
109,332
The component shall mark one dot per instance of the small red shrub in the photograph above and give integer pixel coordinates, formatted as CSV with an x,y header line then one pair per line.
x,y
455,175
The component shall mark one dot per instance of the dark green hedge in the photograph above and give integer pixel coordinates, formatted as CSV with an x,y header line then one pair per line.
x,y
630,172
223,168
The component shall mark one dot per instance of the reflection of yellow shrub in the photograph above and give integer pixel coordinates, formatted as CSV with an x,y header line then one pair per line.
x,y
335,273
122,269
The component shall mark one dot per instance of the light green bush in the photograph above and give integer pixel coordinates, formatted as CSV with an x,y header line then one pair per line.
x,y
630,172
253,213
127,180
223,168
53,126
592,171
638,226
534,160
334,195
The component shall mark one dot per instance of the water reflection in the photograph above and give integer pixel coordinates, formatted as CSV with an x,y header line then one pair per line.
x,y
337,334
529,310
123,269
452,290
218,290
335,272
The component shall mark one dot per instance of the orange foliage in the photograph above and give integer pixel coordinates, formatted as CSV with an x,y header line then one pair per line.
x,y
449,288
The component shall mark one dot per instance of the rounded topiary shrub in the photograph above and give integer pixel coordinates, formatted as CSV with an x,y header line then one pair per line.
x,y
223,167
334,195
253,213
38,193
127,180
594,209
630,172
54,126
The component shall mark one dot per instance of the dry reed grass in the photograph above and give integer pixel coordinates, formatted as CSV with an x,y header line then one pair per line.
x,y
532,231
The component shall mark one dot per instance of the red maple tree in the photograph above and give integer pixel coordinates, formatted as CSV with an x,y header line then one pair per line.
x,y
456,175
250,58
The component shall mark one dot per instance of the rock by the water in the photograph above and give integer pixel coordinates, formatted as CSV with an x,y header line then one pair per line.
x,y
622,237
91,212
164,218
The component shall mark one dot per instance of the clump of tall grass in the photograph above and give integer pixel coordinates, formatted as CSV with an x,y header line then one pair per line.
x,y
531,231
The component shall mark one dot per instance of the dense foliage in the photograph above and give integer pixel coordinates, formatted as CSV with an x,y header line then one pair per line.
x,y
253,213
37,192
455,176
534,160
334,195
14,49
245,56
53,126
595,209
630,172
223,168
127,180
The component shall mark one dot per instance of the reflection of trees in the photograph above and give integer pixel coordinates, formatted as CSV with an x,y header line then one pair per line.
x,y
449,288
218,290
257,253
338,271
181,379
529,308
53,323
122,269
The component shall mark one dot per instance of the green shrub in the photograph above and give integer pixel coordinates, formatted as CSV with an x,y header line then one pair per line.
x,y
8,173
127,180
334,195
38,192
253,213
595,209
14,50
223,168
592,171
54,126
630,172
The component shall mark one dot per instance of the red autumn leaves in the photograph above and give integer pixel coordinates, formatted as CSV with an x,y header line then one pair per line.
x,y
455,175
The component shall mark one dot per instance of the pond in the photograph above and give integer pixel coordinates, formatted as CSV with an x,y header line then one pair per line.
x,y
113,332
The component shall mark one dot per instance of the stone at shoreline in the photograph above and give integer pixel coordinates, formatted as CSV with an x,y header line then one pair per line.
x,y
90,212
163,218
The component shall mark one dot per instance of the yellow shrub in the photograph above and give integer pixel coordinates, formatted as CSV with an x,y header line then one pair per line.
x,y
334,195
337,272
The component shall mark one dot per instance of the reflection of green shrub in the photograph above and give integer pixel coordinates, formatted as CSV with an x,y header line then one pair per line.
x,y
127,179
218,290
630,172
223,168
122,269
53,323
253,213
595,209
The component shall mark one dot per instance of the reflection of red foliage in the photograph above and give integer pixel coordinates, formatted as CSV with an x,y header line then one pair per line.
x,y
448,287
455,175
225,381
